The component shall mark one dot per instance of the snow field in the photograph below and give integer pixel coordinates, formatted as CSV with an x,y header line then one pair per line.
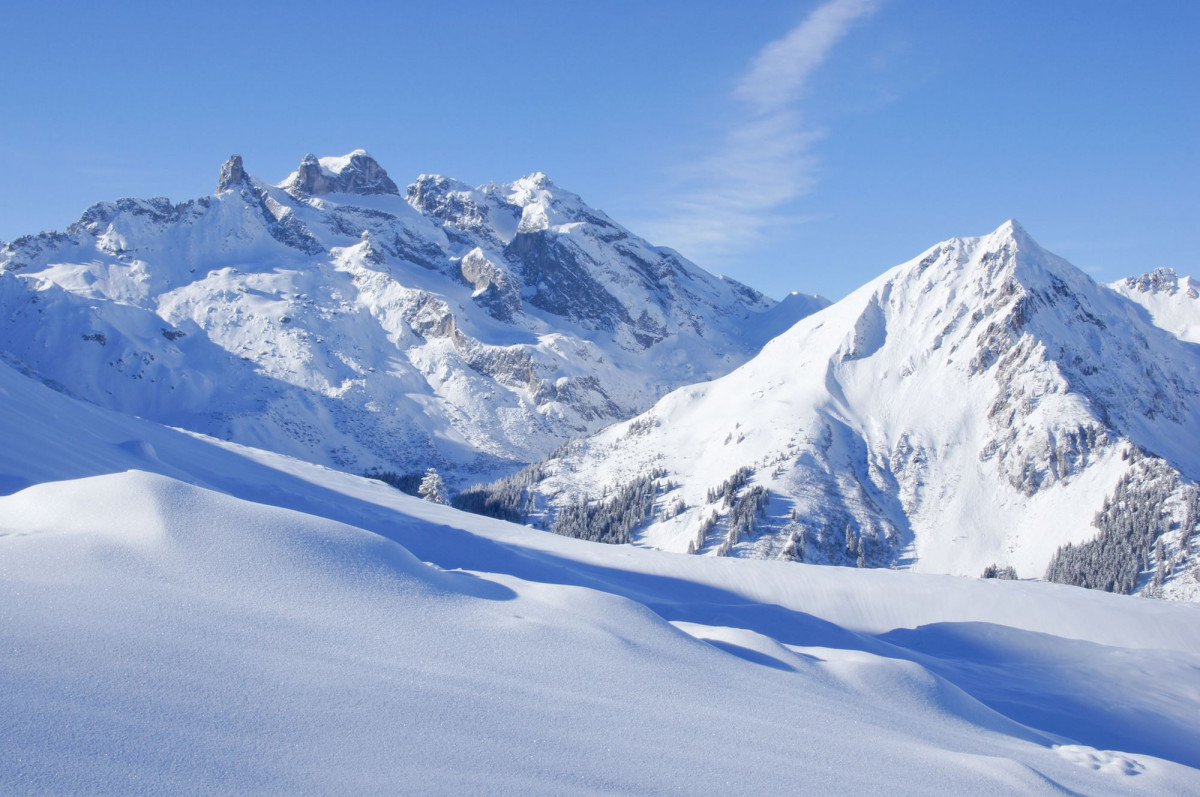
x,y
159,632
166,636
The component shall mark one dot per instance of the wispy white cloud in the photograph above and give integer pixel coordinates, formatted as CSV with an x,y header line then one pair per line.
x,y
733,197
777,77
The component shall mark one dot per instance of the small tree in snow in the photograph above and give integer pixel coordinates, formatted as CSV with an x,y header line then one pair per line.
x,y
432,487
1007,573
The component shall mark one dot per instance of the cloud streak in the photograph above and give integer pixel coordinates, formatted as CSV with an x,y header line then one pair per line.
x,y
729,200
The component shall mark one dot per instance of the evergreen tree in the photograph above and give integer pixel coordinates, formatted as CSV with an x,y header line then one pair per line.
x,y
432,487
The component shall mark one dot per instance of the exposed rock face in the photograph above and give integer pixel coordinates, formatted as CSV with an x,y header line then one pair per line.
x,y
356,173
1160,280
495,289
310,177
461,208
232,174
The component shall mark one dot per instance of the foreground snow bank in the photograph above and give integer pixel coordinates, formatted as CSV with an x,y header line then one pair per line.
x,y
160,635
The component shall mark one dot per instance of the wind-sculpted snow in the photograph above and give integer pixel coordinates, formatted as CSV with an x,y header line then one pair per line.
x,y
331,318
182,614
972,407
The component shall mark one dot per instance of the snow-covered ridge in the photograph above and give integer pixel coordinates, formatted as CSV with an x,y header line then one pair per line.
x,y
1172,301
331,318
973,406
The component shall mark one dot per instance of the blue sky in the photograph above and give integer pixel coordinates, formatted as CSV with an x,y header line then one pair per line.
x,y
791,145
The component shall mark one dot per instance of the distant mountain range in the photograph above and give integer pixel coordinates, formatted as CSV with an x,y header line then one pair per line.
x,y
985,405
337,319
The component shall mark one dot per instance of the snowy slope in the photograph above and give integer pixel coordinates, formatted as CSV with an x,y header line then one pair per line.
x,y
1172,301
973,406
332,318
207,622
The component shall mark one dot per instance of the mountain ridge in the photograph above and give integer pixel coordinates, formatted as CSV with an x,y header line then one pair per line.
x,y
332,318
975,405
983,404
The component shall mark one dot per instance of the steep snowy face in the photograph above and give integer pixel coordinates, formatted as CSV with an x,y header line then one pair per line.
x,y
1172,301
333,319
973,406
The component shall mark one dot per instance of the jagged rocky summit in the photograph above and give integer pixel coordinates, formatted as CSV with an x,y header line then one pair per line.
x,y
985,404
339,319
356,173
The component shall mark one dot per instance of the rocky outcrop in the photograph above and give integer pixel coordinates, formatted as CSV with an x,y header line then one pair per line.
x,y
495,290
356,173
232,174
1160,280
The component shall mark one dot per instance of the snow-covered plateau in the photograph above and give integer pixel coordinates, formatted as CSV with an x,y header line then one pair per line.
x,y
182,614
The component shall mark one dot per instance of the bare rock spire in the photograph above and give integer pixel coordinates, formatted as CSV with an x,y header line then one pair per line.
x,y
232,173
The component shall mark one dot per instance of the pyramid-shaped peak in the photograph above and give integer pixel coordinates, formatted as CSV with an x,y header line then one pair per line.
x,y
1004,260
1012,231
1010,239
1012,228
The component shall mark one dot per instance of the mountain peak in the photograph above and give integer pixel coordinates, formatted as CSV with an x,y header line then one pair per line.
x,y
535,180
354,173
535,189
232,173
1011,231
429,189
1011,228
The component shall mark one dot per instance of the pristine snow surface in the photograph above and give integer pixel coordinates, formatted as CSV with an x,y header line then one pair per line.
x,y
183,615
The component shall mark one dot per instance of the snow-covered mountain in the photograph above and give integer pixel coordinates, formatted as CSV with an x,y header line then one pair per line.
x,y
334,318
1172,301
183,614
978,405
